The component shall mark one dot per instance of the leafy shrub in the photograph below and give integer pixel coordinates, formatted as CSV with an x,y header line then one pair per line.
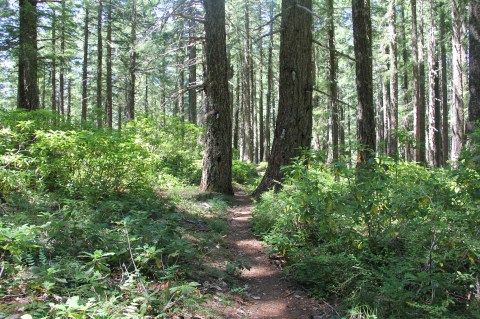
x,y
243,172
402,240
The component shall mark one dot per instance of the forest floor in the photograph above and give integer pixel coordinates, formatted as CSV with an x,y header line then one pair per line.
x,y
265,292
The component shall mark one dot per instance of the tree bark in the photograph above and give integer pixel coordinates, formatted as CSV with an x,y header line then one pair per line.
x,y
332,83
109,75
456,116
474,66
217,159
362,39
418,105
28,93
99,108
53,76
192,71
392,137
293,128
434,130
269,87
85,66
62,60
132,65
443,53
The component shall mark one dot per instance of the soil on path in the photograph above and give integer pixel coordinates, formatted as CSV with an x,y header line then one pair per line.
x,y
269,294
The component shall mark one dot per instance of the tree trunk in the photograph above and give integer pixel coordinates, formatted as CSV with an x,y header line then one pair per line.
x,y
393,121
261,126
99,108
85,66
217,159
434,94
362,39
53,76
132,65
28,93
293,128
192,71
332,83
445,139
418,105
269,88
247,88
456,116
109,76
62,61
474,66
408,124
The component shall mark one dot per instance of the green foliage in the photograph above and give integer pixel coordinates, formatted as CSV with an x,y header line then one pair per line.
x,y
82,229
401,240
243,172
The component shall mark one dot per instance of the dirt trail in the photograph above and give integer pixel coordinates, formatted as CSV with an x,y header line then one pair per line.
x,y
269,294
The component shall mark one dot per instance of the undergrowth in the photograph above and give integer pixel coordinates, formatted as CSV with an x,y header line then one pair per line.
x,y
399,240
90,226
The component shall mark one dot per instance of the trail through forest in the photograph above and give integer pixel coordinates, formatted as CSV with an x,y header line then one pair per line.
x,y
269,294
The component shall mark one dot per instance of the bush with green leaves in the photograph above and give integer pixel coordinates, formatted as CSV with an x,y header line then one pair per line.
x,y
400,239
243,173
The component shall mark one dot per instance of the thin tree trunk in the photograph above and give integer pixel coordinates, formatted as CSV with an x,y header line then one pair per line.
x,y
419,111
85,66
62,60
53,76
362,39
408,124
217,159
269,88
99,108
457,116
261,126
434,94
445,126
192,70
132,65
392,137
247,88
332,81
109,75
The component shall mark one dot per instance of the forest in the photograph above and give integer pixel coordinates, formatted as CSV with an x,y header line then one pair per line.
x,y
148,146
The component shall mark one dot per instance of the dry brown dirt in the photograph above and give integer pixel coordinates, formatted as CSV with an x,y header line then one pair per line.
x,y
268,294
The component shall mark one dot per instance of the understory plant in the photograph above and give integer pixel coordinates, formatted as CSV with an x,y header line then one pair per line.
x,y
399,239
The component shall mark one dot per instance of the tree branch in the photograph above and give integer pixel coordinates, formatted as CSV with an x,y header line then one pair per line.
x,y
336,51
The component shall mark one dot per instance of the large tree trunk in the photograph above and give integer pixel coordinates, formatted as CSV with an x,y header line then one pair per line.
x,y
362,38
109,76
85,66
457,116
28,92
293,128
474,66
393,121
99,108
217,159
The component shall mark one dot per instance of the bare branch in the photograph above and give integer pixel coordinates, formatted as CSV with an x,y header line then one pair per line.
x,y
336,51
328,95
